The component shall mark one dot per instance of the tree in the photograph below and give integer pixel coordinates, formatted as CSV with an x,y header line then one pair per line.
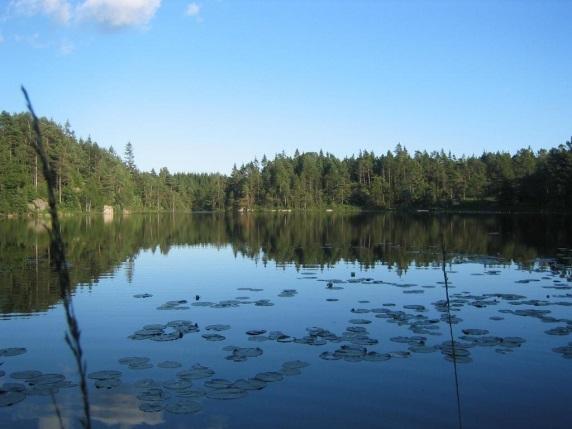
x,y
130,158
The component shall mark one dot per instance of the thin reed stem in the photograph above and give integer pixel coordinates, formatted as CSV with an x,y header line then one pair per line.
x,y
451,336
73,334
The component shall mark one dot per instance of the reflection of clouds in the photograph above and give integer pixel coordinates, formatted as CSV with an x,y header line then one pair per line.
x,y
52,422
109,408
121,409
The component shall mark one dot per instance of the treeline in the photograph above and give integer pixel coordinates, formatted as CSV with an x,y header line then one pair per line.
x,y
90,176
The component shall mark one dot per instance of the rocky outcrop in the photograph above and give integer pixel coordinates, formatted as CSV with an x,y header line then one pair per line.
x,y
39,205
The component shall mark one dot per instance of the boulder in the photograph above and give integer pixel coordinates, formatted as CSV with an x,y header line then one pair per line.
x,y
40,204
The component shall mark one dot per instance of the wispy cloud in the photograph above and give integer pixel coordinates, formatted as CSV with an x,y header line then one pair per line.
x,y
193,9
117,14
114,14
59,10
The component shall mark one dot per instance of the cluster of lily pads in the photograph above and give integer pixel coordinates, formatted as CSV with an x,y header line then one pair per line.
x,y
230,303
174,305
31,383
181,396
171,331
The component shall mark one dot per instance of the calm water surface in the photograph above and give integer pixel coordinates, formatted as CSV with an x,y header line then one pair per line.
x,y
509,315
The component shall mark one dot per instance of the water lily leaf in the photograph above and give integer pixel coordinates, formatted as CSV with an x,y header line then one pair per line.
x,y
295,364
12,351
151,407
108,383
184,407
25,375
226,393
169,364
214,337
103,375
218,383
9,398
153,394
270,376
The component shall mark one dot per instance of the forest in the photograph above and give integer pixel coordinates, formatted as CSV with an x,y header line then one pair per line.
x,y
90,176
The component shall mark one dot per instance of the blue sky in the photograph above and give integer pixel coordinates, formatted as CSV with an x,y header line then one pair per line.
x,y
198,86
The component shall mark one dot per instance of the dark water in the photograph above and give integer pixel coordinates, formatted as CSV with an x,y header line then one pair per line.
x,y
509,314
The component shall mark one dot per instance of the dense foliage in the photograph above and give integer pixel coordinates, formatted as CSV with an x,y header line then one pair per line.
x,y
90,177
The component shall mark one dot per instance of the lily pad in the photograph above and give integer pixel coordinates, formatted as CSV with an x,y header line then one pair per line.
x,y
560,330
269,376
151,407
196,372
329,356
475,331
177,384
140,365
169,364
218,383
108,383
290,371
25,375
46,379
295,364
154,394
376,357
191,393
217,328
250,384
360,321
214,337
226,393
133,360
9,398
104,375
184,407
14,387
12,351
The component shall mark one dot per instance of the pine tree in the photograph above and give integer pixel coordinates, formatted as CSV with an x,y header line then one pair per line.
x,y
129,157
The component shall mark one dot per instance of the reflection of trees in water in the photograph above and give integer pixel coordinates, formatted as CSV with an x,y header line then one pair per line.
x,y
97,249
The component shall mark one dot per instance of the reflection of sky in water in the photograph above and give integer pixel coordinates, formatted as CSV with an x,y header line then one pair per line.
x,y
528,388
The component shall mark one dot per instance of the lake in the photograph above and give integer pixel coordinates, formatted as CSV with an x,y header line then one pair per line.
x,y
292,320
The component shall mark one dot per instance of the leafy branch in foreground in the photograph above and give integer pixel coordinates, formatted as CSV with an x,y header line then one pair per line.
x,y
58,251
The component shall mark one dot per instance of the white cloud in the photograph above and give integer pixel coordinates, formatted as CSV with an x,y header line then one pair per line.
x,y
193,9
116,14
60,10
